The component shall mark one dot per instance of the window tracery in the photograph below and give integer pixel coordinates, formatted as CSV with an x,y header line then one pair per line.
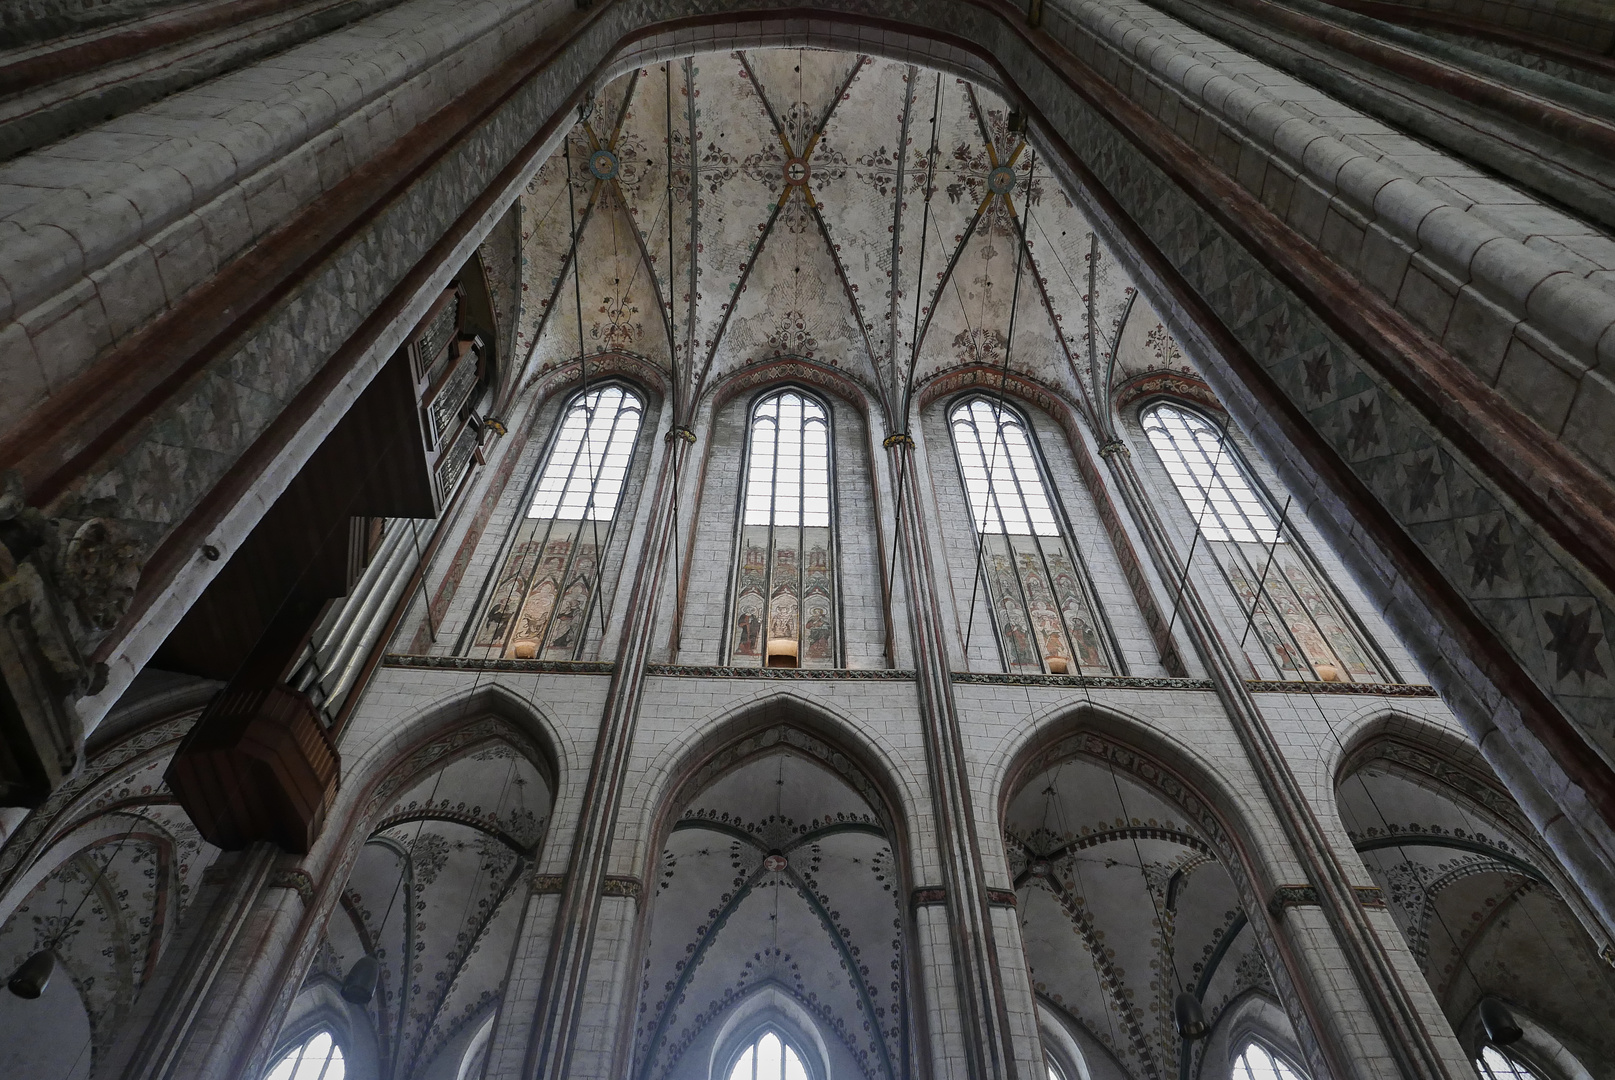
x,y
317,1058
1493,1064
1257,1062
785,612
547,589
1043,613
770,1057
1305,631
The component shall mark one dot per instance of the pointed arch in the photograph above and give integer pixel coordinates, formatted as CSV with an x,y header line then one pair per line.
x,y
546,592
1303,627
1035,585
785,609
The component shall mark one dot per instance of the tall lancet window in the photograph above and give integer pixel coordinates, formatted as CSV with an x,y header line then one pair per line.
x,y
785,612
548,590
1044,615
1305,630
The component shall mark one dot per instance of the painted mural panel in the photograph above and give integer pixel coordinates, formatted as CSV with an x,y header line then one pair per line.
x,y
1043,609
546,592
1295,626
784,611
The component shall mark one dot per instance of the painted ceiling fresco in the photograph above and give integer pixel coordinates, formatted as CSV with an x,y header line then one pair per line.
x,y
436,896
777,880
105,889
875,217
1123,904
1480,915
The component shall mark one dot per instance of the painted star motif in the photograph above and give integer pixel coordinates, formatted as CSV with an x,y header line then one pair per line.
x,y
1422,484
1318,375
1278,333
1361,435
1574,642
1486,551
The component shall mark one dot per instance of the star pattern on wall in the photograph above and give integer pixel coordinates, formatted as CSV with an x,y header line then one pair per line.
x,y
1573,641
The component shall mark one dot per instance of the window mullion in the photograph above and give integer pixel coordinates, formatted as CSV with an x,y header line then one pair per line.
x,y
1009,545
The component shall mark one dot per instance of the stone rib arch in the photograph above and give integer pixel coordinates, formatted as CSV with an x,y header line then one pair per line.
x,y
1253,858
813,376
1439,760
1485,907
829,950
712,745
456,724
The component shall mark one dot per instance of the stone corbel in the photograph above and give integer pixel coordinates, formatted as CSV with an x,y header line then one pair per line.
x,y
42,664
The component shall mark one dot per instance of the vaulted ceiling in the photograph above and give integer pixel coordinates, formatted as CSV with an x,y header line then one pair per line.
x,y
879,218
1124,904
1479,913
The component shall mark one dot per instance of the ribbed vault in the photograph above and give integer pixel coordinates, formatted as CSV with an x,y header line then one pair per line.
x,y
884,219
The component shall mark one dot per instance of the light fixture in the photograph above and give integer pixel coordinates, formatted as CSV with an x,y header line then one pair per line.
x,y
31,979
1190,1017
360,985
1498,1023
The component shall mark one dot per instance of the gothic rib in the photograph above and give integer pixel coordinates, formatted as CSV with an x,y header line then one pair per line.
x,y
1111,982
468,820
471,940
812,836
713,930
615,183
568,264
813,206
854,972
691,394
709,935
1095,839
1453,843
888,389
1461,960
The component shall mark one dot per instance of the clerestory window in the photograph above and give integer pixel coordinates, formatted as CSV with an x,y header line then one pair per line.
x,y
785,612
318,1058
1304,630
1256,1062
1043,611
547,592
770,1057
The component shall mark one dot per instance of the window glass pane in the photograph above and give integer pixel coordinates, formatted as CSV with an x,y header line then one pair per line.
x,y
1255,1062
1496,1065
1220,499
784,583
1037,594
320,1058
584,475
1001,477
770,1057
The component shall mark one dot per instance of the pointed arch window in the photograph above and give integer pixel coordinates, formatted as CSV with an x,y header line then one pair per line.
x,y
770,1057
1044,612
1257,1062
1493,1064
317,1058
548,589
1305,630
785,611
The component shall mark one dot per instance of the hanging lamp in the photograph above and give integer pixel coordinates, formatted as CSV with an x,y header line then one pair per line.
x,y
360,985
1498,1023
34,975
1190,1017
